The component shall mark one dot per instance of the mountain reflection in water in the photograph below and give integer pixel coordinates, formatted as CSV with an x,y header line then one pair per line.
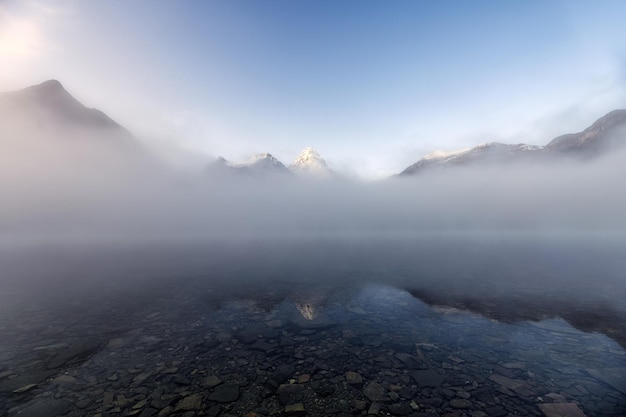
x,y
265,338
307,310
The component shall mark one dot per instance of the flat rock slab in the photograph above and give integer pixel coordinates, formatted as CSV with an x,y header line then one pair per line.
x,y
400,409
21,381
375,392
190,403
73,355
354,378
461,403
263,346
517,385
295,409
561,410
225,393
212,381
615,377
428,378
290,393
283,372
43,408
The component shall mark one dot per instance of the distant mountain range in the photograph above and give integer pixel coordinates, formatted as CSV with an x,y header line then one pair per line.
x,y
308,162
606,134
47,109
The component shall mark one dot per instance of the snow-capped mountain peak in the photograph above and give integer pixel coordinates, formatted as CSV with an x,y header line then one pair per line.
x,y
310,161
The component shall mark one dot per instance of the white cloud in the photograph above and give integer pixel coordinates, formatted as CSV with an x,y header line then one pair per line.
x,y
27,41
20,37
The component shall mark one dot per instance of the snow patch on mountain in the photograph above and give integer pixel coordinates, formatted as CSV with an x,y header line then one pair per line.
x,y
309,161
445,154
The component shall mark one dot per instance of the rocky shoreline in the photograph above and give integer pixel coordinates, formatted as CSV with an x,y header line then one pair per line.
x,y
366,350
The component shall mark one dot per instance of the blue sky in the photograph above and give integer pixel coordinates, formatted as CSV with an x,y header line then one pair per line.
x,y
372,85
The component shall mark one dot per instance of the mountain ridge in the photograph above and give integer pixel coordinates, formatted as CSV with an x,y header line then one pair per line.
x,y
605,134
57,104
308,162
49,104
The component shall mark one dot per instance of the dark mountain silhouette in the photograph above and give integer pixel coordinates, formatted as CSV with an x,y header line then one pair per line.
x,y
50,103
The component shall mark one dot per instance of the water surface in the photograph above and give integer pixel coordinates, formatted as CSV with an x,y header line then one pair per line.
x,y
457,326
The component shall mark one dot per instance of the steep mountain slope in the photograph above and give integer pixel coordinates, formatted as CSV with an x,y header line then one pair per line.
x,y
607,133
44,128
49,105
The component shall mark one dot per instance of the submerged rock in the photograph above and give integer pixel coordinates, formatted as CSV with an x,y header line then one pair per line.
x,y
561,409
295,409
189,403
354,378
428,378
225,393
374,391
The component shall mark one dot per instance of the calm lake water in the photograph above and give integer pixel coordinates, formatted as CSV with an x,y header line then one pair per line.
x,y
480,325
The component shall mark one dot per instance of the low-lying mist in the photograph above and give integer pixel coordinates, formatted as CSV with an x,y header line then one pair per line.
x,y
91,193
85,220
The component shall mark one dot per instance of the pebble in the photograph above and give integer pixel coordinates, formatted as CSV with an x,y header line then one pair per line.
x,y
246,361
191,402
297,408
225,393
374,391
212,381
354,378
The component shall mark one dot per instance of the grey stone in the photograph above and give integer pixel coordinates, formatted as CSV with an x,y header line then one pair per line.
x,y
290,393
561,409
35,377
211,381
283,372
189,403
42,408
496,411
374,409
517,385
460,403
374,391
616,377
225,393
295,409
354,378
428,378
400,409
73,355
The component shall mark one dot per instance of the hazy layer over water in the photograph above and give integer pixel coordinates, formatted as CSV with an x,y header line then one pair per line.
x,y
239,309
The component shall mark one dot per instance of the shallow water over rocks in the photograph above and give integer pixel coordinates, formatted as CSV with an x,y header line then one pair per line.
x,y
369,349
350,328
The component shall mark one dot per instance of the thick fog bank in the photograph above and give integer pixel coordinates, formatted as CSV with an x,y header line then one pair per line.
x,y
570,265
113,200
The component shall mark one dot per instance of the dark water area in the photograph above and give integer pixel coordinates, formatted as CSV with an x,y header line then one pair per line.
x,y
480,325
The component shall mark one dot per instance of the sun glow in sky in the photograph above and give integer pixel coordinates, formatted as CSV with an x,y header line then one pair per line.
x,y
373,86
